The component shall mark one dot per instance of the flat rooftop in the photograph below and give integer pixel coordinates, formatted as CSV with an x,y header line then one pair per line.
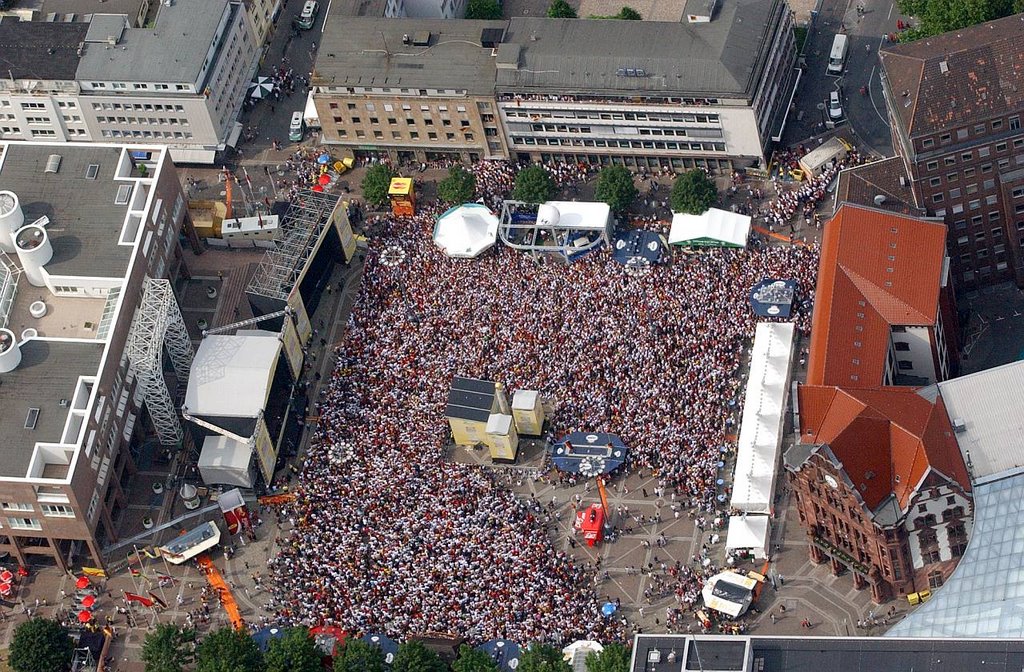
x,y
85,223
47,374
174,50
369,52
718,58
36,50
719,653
80,10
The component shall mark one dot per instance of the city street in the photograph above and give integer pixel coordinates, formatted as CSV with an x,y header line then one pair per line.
x,y
865,113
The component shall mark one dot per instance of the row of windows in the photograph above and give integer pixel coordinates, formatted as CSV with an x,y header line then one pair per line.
x,y
388,107
409,121
615,116
173,121
413,135
145,134
632,144
155,107
137,86
983,152
979,130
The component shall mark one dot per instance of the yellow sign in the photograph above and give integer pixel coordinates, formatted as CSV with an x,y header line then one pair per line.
x,y
94,571
400,186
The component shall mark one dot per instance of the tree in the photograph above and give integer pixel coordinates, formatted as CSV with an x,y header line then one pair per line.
x,y
629,14
533,185
615,187
40,645
458,187
167,649
295,652
693,192
473,660
376,183
483,9
414,657
228,650
560,9
542,658
614,658
940,16
359,656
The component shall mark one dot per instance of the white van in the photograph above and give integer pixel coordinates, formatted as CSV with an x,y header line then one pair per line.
x,y
297,129
837,57
308,16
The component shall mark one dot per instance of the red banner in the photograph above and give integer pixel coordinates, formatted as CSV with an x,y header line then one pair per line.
x,y
158,601
144,601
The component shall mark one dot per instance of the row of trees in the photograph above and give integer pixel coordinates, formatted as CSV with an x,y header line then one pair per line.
x,y
692,192
43,645
940,16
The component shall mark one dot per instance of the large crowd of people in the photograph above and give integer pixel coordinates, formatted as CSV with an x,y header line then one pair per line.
x,y
392,537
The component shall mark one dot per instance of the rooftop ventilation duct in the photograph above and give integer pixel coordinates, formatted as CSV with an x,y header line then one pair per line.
x,y
11,219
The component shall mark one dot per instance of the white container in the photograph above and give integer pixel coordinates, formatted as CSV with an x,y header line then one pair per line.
x,y
11,219
34,251
10,353
37,309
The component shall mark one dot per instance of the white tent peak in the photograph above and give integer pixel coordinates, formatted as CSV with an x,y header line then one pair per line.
x,y
714,228
466,230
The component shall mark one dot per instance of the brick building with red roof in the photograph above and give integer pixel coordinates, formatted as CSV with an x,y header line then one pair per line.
x,y
880,484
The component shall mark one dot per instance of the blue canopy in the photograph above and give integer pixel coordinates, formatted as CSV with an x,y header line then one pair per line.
x,y
608,608
638,248
502,652
589,453
263,637
387,645
323,159
773,298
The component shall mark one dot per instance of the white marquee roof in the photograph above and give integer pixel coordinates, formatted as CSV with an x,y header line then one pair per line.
x,y
726,228
466,231
748,532
231,375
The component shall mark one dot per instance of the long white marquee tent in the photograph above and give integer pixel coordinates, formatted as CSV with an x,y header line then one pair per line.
x,y
714,228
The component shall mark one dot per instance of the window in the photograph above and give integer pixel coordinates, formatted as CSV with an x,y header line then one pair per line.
x,y
949,160
966,156
905,365
934,578
928,142
12,506
952,177
122,194
1014,123
1001,146
932,165
938,198
935,181
997,124
24,524
57,510
945,137
901,346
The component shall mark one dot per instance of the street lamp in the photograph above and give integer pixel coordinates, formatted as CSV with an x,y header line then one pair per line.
x,y
821,109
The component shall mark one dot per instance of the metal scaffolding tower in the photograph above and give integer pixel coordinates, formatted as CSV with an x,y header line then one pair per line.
x,y
158,325
301,229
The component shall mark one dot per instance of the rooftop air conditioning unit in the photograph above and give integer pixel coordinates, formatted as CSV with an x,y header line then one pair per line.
x,y
959,425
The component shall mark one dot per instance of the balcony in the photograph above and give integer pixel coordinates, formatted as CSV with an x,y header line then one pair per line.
x,y
841,555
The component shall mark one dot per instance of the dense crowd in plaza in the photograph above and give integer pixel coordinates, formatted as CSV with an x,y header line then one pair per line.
x,y
392,537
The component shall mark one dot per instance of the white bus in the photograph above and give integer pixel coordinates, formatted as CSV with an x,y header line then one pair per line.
x,y
837,58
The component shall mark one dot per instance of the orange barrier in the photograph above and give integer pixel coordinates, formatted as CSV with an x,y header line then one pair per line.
x,y
227,599
777,236
272,500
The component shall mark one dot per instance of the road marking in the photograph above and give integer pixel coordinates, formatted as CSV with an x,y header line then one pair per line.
x,y
889,15
872,97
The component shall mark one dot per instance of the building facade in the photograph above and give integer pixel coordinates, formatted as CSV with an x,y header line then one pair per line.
x,y
712,93
83,229
107,81
881,487
956,122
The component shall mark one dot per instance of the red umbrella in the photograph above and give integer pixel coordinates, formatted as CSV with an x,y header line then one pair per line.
x,y
84,616
5,589
325,179
317,188
6,576
82,583
88,601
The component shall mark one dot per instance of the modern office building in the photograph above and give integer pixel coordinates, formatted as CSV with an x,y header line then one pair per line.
x,y
711,92
881,487
88,248
955,112
179,83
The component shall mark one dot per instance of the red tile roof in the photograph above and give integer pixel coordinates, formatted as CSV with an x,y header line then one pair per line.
x,y
887,438
957,78
878,269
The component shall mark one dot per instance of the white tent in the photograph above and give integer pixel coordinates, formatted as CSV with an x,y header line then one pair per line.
x,y
748,532
576,653
576,215
759,444
715,228
466,231
225,461
729,592
231,375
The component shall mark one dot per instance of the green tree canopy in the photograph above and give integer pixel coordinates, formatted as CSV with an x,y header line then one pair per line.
x,y
615,187
940,16
560,9
376,183
458,187
693,192
542,658
534,185
295,652
228,650
40,645
483,9
414,657
473,660
628,14
168,648
614,658
358,656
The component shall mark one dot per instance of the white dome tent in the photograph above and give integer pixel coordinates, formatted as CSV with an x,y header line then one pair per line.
x,y
466,231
